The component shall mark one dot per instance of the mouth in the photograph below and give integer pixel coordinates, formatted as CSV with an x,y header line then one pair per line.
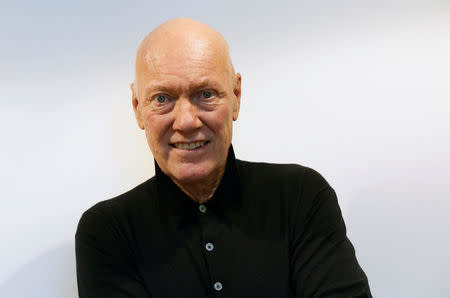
x,y
190,146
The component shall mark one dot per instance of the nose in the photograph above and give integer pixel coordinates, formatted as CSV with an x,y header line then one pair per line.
x,y
186,116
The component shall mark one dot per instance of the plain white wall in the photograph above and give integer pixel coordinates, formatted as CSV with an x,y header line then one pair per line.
x,y
358,90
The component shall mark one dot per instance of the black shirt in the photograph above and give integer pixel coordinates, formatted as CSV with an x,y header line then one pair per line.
x,y
269,230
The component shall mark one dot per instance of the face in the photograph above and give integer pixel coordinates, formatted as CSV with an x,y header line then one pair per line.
x,y
186,104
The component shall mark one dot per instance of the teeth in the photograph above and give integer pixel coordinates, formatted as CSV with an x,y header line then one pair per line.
x,y
189,146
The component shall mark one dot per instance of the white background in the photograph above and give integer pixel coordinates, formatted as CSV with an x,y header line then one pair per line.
x,y
358,90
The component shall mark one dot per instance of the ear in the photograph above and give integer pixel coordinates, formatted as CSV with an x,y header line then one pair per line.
x,y
237,94
136,107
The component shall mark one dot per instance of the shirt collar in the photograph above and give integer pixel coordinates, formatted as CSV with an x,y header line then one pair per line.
x,y
183,209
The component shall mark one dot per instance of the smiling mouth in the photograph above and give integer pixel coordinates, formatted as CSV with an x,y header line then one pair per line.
x,y
190,146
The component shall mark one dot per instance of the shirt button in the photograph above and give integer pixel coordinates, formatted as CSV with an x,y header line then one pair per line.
x,y
209,246
202,208
218,286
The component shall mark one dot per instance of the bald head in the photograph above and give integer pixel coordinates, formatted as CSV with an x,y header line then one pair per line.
x,y
181,40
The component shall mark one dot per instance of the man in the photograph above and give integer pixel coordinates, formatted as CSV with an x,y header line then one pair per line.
x,y
207,224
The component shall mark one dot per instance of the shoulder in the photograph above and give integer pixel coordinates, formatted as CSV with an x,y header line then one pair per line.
x,y
272,174
290,189
118,209
131,199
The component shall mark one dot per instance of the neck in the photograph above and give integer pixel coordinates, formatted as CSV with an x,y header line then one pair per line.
x,y
202,191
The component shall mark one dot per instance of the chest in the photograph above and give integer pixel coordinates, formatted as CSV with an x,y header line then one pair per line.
x,y
244,254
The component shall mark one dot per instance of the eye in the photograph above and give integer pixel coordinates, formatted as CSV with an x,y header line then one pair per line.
x,y
161,98
206,94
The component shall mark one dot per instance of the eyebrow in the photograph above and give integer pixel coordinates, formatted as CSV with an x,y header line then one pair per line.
x,y
158,87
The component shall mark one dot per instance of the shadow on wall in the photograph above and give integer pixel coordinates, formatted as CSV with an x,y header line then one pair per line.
x,y
51,275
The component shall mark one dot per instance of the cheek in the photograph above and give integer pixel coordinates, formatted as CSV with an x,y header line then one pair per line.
x,y
156,128
220,121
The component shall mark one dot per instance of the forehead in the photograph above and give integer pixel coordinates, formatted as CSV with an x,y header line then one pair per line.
x,y
183,63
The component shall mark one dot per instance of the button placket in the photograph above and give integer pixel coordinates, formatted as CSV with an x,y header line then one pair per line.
x,y
208,225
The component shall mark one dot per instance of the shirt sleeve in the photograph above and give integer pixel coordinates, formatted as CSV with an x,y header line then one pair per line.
x,y
105,268
323,259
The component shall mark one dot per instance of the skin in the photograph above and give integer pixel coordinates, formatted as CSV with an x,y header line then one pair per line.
x,y
186,91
